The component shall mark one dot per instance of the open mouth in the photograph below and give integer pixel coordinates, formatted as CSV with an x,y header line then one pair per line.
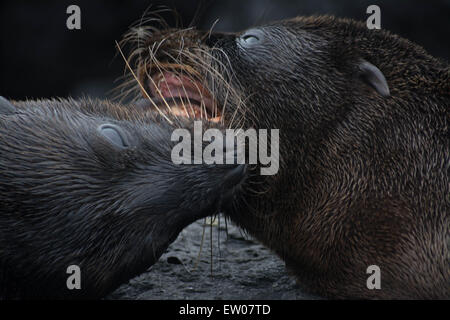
x,y
183,96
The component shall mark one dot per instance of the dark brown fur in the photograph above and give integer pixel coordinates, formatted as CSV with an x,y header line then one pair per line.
x,y
364,178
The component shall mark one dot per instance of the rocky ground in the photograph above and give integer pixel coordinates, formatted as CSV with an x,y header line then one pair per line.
x,y
238,268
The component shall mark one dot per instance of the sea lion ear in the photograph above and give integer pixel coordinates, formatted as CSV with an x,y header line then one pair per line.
x,y
374,77
114,135
6,107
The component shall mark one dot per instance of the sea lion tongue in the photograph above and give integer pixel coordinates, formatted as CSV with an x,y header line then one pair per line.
x,y
171,86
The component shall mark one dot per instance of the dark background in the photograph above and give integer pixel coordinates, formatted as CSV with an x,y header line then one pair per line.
x,y
41,58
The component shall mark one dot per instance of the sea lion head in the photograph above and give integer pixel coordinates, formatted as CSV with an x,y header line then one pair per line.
x,y
92,183
340,95
294,75
295,66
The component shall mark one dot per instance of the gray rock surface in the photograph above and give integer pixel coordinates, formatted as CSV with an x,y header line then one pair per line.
x,y
238,268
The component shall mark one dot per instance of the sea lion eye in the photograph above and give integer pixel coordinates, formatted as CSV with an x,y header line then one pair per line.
x,y
250,38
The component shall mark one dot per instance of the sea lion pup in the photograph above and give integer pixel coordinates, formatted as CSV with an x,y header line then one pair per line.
x,y
91,183
364,147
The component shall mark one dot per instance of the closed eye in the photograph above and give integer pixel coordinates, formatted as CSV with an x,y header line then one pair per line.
x,y
250,38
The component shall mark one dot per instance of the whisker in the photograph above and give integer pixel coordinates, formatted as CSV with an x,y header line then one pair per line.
x,y
212,27
141,86
178,76
201,247
173,98
158,90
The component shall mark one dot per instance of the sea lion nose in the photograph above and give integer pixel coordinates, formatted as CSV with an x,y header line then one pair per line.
x,y
231,181
235,175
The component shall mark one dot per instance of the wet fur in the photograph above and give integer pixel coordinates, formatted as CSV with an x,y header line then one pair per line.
x,y
70,197
364,179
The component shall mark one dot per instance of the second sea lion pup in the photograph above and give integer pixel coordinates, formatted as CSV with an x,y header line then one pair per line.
x,y
90,186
